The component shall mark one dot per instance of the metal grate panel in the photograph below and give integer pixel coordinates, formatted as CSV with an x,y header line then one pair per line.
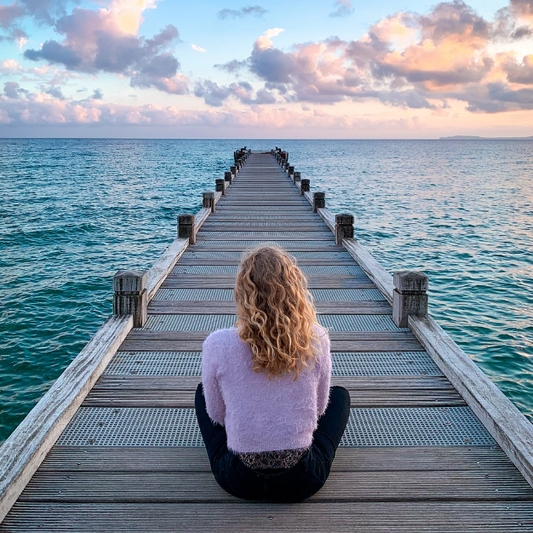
x,y
245,244
226,295
384,364
214,322
155,364
189,322
257,222
232,269
100,426
423,426
359,323
187,295
303,216
430,426
237,255
265,234
347,295
344,364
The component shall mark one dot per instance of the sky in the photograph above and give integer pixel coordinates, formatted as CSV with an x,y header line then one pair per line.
x,y
322,69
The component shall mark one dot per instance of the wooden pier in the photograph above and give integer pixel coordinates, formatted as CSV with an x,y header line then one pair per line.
x,y
431,445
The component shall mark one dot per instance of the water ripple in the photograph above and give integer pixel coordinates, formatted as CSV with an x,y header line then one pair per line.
x,y
76,211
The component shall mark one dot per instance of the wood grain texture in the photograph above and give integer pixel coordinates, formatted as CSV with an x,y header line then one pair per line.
x,y
164,265
373,269
260,517
22,453
171,459
348,487
177,307
504,421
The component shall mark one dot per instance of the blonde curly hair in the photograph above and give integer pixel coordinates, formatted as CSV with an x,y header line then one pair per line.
x,y
275,312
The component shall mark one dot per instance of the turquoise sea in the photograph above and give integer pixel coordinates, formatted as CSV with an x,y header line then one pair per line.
x,y
72,212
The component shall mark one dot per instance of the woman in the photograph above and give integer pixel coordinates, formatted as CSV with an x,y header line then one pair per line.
x,y
269,420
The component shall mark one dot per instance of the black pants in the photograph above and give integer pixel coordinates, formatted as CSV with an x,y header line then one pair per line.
x,y
282,485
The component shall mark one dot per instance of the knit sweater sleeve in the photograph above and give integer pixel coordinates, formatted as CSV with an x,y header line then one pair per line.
x,y
214,402
324,378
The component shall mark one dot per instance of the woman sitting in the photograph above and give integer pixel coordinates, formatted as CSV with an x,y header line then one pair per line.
x,y
269,419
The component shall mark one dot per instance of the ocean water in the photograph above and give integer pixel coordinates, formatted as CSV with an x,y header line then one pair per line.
x,y
72,212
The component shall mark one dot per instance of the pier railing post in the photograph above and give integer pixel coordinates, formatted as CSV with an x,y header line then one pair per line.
x,y
220,186
130,296
319,201
186,229
233,170
343,227
228,177
290,172
409,297
208,200
296,177
305,185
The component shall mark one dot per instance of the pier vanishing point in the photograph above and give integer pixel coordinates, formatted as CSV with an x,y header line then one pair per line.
x,y
432,445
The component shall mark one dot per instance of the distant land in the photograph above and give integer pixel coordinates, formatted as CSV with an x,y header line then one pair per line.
x,y
476,138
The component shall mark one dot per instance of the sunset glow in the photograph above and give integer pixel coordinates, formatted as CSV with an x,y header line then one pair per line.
x,y
320,69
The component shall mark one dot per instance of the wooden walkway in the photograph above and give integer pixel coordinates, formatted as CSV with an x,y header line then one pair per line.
x,y
414,456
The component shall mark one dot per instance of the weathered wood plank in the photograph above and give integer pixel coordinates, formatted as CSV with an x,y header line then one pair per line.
x,y
311,517
350,336
172,459
161,268
22,453
176,487
504,421
328,217
218,307
341,345
373,269
222,281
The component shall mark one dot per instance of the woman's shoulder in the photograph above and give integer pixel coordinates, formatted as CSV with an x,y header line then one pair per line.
x,y
321,334
221,337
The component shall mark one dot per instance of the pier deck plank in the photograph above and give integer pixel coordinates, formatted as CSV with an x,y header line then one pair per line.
x,y
432,483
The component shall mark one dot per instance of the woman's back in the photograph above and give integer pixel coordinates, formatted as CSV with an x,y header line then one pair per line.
x,y
262,413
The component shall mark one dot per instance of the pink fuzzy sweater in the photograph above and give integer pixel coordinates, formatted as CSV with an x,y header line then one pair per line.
x,y
262,415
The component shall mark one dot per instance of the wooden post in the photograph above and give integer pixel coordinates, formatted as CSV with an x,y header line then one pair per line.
x,y
291,171
208,200
304,186
343,227
319,201
186,229
233,170
220,186
228,177
409,297
296,177
130,296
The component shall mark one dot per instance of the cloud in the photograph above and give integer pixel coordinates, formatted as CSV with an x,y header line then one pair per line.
x,y
256,11
97,94
215,95
343,8
106,40
56,92
9,13
407,59
233,66
521,73
522,8
9,66
43,110
13,90
53,52
197,48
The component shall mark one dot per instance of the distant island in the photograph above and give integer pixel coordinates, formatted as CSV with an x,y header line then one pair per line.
x,y
476,138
